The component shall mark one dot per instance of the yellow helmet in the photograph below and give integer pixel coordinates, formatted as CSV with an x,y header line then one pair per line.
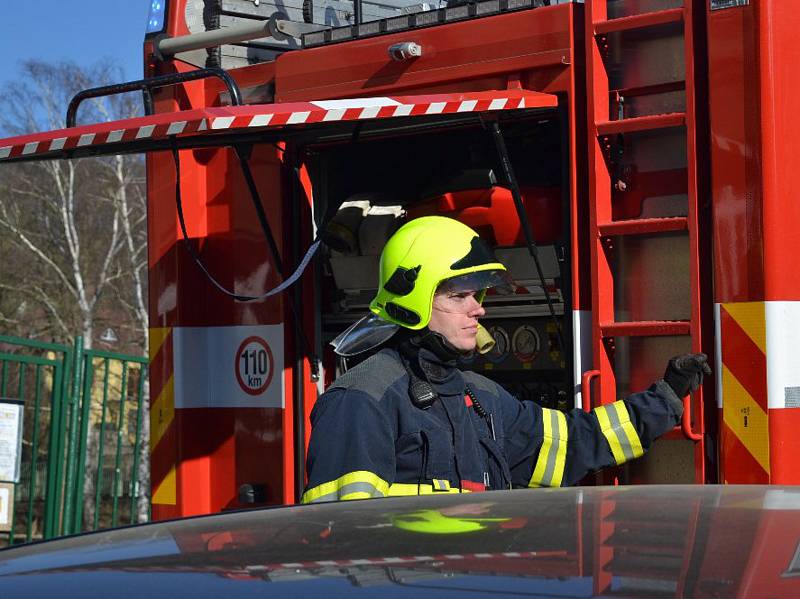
x,y
423,254
434,522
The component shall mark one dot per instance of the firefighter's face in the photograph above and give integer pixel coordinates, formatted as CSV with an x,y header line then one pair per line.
x,y
455,316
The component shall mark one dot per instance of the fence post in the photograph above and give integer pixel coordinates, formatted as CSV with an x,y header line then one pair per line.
x,y
74,431
54,457
83,441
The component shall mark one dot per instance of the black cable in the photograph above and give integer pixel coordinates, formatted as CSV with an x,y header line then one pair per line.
x,y
508,170
198,261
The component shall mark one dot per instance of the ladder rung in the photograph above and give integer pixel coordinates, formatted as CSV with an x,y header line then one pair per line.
x,y
643,226
650,19
645,328
641,123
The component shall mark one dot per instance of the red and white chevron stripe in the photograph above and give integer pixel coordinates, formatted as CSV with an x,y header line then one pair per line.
x,y
111,137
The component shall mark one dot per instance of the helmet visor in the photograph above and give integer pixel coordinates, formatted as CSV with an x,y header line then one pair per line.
x,y
476,282
363,335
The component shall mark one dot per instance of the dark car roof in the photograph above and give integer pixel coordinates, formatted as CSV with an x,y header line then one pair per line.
x,y
659,541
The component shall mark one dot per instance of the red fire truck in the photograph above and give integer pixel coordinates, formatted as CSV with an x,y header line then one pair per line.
x,y
641,150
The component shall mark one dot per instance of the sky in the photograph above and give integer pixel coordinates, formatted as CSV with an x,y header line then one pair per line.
x,y
81,31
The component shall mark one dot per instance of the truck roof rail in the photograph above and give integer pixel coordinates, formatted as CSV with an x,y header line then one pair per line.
x,y
146,85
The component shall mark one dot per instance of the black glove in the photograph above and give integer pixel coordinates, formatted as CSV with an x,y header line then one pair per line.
x,y
685,373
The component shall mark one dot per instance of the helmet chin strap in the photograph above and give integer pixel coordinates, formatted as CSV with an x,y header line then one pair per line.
x,y
436,343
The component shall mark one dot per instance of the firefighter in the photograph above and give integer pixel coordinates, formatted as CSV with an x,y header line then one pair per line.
x,y
407,421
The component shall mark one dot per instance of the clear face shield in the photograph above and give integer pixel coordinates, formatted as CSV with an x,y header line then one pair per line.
x,y
453,295
363,335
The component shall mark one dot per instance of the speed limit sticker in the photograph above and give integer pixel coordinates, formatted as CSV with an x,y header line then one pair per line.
x,y
254,365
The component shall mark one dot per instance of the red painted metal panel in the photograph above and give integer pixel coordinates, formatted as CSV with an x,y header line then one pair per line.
x,y
784,446
600,211
641,123
735,154
470,55
642,226
640,21
778,57
644,328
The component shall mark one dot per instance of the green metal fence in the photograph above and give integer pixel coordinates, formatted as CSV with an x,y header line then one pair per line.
x,y
84,445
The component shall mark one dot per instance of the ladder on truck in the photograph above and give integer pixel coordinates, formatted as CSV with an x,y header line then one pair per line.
x,y
648,299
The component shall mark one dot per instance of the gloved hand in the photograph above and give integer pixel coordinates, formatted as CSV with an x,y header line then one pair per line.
x,y
685,373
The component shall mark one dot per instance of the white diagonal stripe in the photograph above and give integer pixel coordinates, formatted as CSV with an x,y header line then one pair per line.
x,y
436,108
298,117
222,122
292,565
30,148
58,144
403,110
335,114
326,563
354,103
370,112
176,127
203,125
467,106
5,152
145,131
522,103
260,120
85,139
115,136
498,104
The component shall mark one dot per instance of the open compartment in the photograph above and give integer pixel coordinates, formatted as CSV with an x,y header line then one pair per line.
x,y
367,185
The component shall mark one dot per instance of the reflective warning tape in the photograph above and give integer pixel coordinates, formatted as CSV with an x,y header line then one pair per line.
x,y
759,391
163,442
742,364
228,118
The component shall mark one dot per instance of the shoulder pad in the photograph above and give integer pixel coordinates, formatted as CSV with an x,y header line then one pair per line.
x,y
373,376
480,382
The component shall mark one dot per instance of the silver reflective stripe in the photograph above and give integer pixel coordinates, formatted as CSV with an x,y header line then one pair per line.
x,y
350,488
720,4
552,454
618,432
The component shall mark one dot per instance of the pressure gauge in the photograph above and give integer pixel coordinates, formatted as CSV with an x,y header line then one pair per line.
x,y
525,343
501,347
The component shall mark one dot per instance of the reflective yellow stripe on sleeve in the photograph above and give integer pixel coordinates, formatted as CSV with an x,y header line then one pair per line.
x,y
360,484
552,458
617,428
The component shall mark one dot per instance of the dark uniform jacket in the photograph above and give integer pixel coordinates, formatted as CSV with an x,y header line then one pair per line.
x,y
370,440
